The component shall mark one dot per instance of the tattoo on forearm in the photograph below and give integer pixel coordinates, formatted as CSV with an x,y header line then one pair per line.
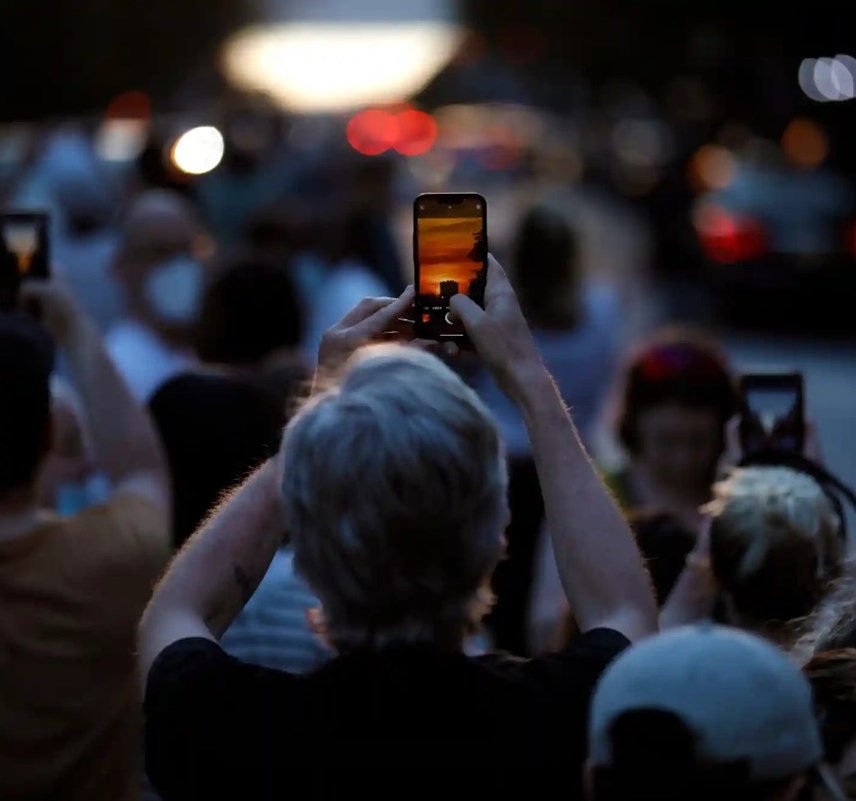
x,y
242,579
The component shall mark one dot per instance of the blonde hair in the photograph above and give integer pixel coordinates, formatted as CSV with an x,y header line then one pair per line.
x,y
833,624
775,543
394,487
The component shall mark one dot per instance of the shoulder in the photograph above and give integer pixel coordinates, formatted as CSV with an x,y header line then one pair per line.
x,y
204,708
576,667
128,531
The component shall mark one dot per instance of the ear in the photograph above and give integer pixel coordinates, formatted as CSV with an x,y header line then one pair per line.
x,y
317,624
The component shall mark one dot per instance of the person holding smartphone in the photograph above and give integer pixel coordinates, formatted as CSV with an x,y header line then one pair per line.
x,y
72,588
392,484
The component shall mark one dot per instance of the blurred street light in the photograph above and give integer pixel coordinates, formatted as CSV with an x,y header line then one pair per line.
x,y
828,79
198,150
335,55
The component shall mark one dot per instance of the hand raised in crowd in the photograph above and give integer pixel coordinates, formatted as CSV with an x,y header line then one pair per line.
x,y
56,308
500,333
368,321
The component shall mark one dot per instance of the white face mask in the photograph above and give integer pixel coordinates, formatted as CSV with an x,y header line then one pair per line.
x,y
174,289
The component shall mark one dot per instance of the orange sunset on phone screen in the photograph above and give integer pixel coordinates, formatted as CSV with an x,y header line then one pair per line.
x,y
448,252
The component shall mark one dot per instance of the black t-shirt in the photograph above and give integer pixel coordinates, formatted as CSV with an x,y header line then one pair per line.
x,y
217,727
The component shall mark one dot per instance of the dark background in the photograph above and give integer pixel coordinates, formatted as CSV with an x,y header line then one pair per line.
x,y
62,57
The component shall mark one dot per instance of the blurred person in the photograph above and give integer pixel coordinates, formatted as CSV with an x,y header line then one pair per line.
x,y
70,183
333,275
215,431
73,588
222,418
251,326
161,264
391,482
69,479
833,679
677,397
704,713
273,630
772,550
575,326
575,329
665,543
219,422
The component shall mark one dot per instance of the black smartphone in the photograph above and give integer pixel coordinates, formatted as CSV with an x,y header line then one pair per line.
x,y
24,252
450,257
772,412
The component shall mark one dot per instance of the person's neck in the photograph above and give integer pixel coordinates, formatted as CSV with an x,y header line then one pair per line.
x,y
19,513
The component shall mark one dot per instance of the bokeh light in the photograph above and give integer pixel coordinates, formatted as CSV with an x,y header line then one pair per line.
x,y
328,67
373,131
828,79
712,167
417,132
728,237
805,143
198,150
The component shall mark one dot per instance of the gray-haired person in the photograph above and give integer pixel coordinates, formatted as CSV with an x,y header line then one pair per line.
x,y
391,483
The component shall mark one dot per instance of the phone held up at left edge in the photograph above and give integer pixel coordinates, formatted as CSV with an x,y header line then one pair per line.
x,y
772,413
450,257
24,252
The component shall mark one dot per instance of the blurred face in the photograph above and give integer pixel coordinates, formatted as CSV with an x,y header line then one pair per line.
x,y
162,264
679,445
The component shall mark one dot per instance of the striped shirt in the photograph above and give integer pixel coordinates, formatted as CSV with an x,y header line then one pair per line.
x,y
272,630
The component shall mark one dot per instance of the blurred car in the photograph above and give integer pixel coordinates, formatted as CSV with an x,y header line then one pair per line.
x,y
779,244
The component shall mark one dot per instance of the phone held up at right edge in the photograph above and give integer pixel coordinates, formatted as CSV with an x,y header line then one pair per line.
x,y
23,252
772,414
450,257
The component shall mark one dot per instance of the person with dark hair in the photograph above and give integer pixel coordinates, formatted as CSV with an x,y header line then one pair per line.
x,y
665,543
250,311
220,422
219,426
677,398
216,430
391,482
704,713
73,587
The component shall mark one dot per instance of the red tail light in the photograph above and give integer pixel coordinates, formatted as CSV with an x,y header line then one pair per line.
x,y
728,237
851,239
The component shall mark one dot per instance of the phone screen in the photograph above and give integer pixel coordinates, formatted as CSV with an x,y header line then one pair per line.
x,y
450,244
23,252
773,413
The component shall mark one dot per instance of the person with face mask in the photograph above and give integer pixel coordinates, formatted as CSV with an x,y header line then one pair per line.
x,y
160,263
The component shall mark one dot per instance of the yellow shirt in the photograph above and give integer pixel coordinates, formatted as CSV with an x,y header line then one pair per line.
x,y
71,594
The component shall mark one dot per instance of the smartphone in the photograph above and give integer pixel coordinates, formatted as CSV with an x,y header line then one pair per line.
x,y
772,412
23,252
450,257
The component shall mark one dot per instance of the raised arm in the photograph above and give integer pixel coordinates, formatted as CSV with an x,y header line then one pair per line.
x,y
123,436
599,564
221,566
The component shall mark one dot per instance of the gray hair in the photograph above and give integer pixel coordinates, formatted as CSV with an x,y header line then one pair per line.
x,y
394,487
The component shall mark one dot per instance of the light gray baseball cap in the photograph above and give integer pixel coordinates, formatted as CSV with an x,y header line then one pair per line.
x,y
741,697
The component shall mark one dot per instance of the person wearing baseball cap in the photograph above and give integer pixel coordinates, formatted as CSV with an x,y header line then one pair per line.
x,y
705,713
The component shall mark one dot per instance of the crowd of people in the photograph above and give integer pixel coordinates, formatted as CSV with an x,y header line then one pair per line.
x,y
257,540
